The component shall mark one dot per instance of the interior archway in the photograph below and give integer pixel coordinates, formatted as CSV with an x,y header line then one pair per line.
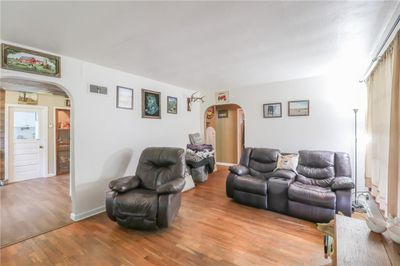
x,y
57,134
227,123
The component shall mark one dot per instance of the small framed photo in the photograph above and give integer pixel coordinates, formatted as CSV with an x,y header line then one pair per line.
x,y
299,108
172,105
222,97
222,113
272,110
151,104
124,98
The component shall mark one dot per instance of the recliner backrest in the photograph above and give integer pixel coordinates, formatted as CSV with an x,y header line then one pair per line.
x,y
158,166
321,167
260,161
195,138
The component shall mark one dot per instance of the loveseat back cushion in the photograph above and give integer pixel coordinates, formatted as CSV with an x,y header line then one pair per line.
x,y
263,161
342,164
316,164
325,182
158,166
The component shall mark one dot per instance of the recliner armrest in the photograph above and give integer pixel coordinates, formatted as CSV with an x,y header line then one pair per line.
x,y
239,169
124,184
173,186
342,183
283,173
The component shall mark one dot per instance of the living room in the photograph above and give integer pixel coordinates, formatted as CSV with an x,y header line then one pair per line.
x,y
141,77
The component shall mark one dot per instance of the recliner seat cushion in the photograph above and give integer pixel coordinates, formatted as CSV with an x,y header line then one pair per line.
x,y
312,195
137,202
251,184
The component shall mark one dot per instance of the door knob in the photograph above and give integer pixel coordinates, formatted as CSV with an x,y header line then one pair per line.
x,y
40,147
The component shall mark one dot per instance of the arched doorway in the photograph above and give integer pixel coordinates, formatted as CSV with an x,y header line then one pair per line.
x,y
36,170
224,125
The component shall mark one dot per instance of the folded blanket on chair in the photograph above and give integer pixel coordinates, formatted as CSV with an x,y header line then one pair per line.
x,y
200,147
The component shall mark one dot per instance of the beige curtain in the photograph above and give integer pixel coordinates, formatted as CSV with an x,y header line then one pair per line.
x,y
394,142
382,156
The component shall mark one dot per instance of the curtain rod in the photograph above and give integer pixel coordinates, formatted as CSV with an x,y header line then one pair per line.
x,y
377,56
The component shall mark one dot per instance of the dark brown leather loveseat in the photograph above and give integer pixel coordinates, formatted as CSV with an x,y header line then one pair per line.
x,y
152,198
320,188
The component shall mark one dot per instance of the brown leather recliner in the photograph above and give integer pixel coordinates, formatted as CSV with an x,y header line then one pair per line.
x,y
151,199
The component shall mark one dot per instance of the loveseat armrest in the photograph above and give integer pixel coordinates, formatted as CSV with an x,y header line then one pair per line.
x,y
285,174
124,184
174,186
342,183
239,169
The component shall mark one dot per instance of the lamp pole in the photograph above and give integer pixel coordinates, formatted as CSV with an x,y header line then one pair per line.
x,y
355,157
356,204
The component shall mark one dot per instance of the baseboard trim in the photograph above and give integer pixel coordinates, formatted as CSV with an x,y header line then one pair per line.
x,y
83,215
225,164
51,175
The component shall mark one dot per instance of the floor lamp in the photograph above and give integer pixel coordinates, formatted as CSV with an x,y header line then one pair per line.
x,y
357,205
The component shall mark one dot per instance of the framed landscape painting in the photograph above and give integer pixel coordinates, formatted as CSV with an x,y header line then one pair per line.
x,y
28,98
151,105
21,59
172,105
272,110
299,108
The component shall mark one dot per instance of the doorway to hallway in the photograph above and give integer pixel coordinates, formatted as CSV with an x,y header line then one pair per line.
x,y
35,138
227,124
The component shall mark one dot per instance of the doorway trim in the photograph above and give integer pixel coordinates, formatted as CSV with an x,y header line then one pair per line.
x,y
7,139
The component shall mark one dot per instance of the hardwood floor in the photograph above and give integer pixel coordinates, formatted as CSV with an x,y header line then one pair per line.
x,y
210,230
33,207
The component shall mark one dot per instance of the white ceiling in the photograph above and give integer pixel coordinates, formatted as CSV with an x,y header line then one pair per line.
x,y
204,45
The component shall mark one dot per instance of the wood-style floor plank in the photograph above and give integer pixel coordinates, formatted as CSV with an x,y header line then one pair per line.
x,y
33,207
210,230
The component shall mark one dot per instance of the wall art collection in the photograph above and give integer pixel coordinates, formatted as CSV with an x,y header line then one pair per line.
x,y
295,108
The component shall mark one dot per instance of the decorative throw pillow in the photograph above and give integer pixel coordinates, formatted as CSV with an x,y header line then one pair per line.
x,y
288,162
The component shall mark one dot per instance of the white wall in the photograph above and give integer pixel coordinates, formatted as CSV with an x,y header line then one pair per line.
x,y
330,125
107,141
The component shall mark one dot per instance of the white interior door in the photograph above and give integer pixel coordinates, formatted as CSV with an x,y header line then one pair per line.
x,y
27,143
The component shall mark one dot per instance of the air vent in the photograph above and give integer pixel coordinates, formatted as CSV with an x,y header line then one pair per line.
x,y
98,89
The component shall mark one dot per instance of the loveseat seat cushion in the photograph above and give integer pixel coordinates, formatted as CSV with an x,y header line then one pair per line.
x,y
312,195
137,202
251,184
